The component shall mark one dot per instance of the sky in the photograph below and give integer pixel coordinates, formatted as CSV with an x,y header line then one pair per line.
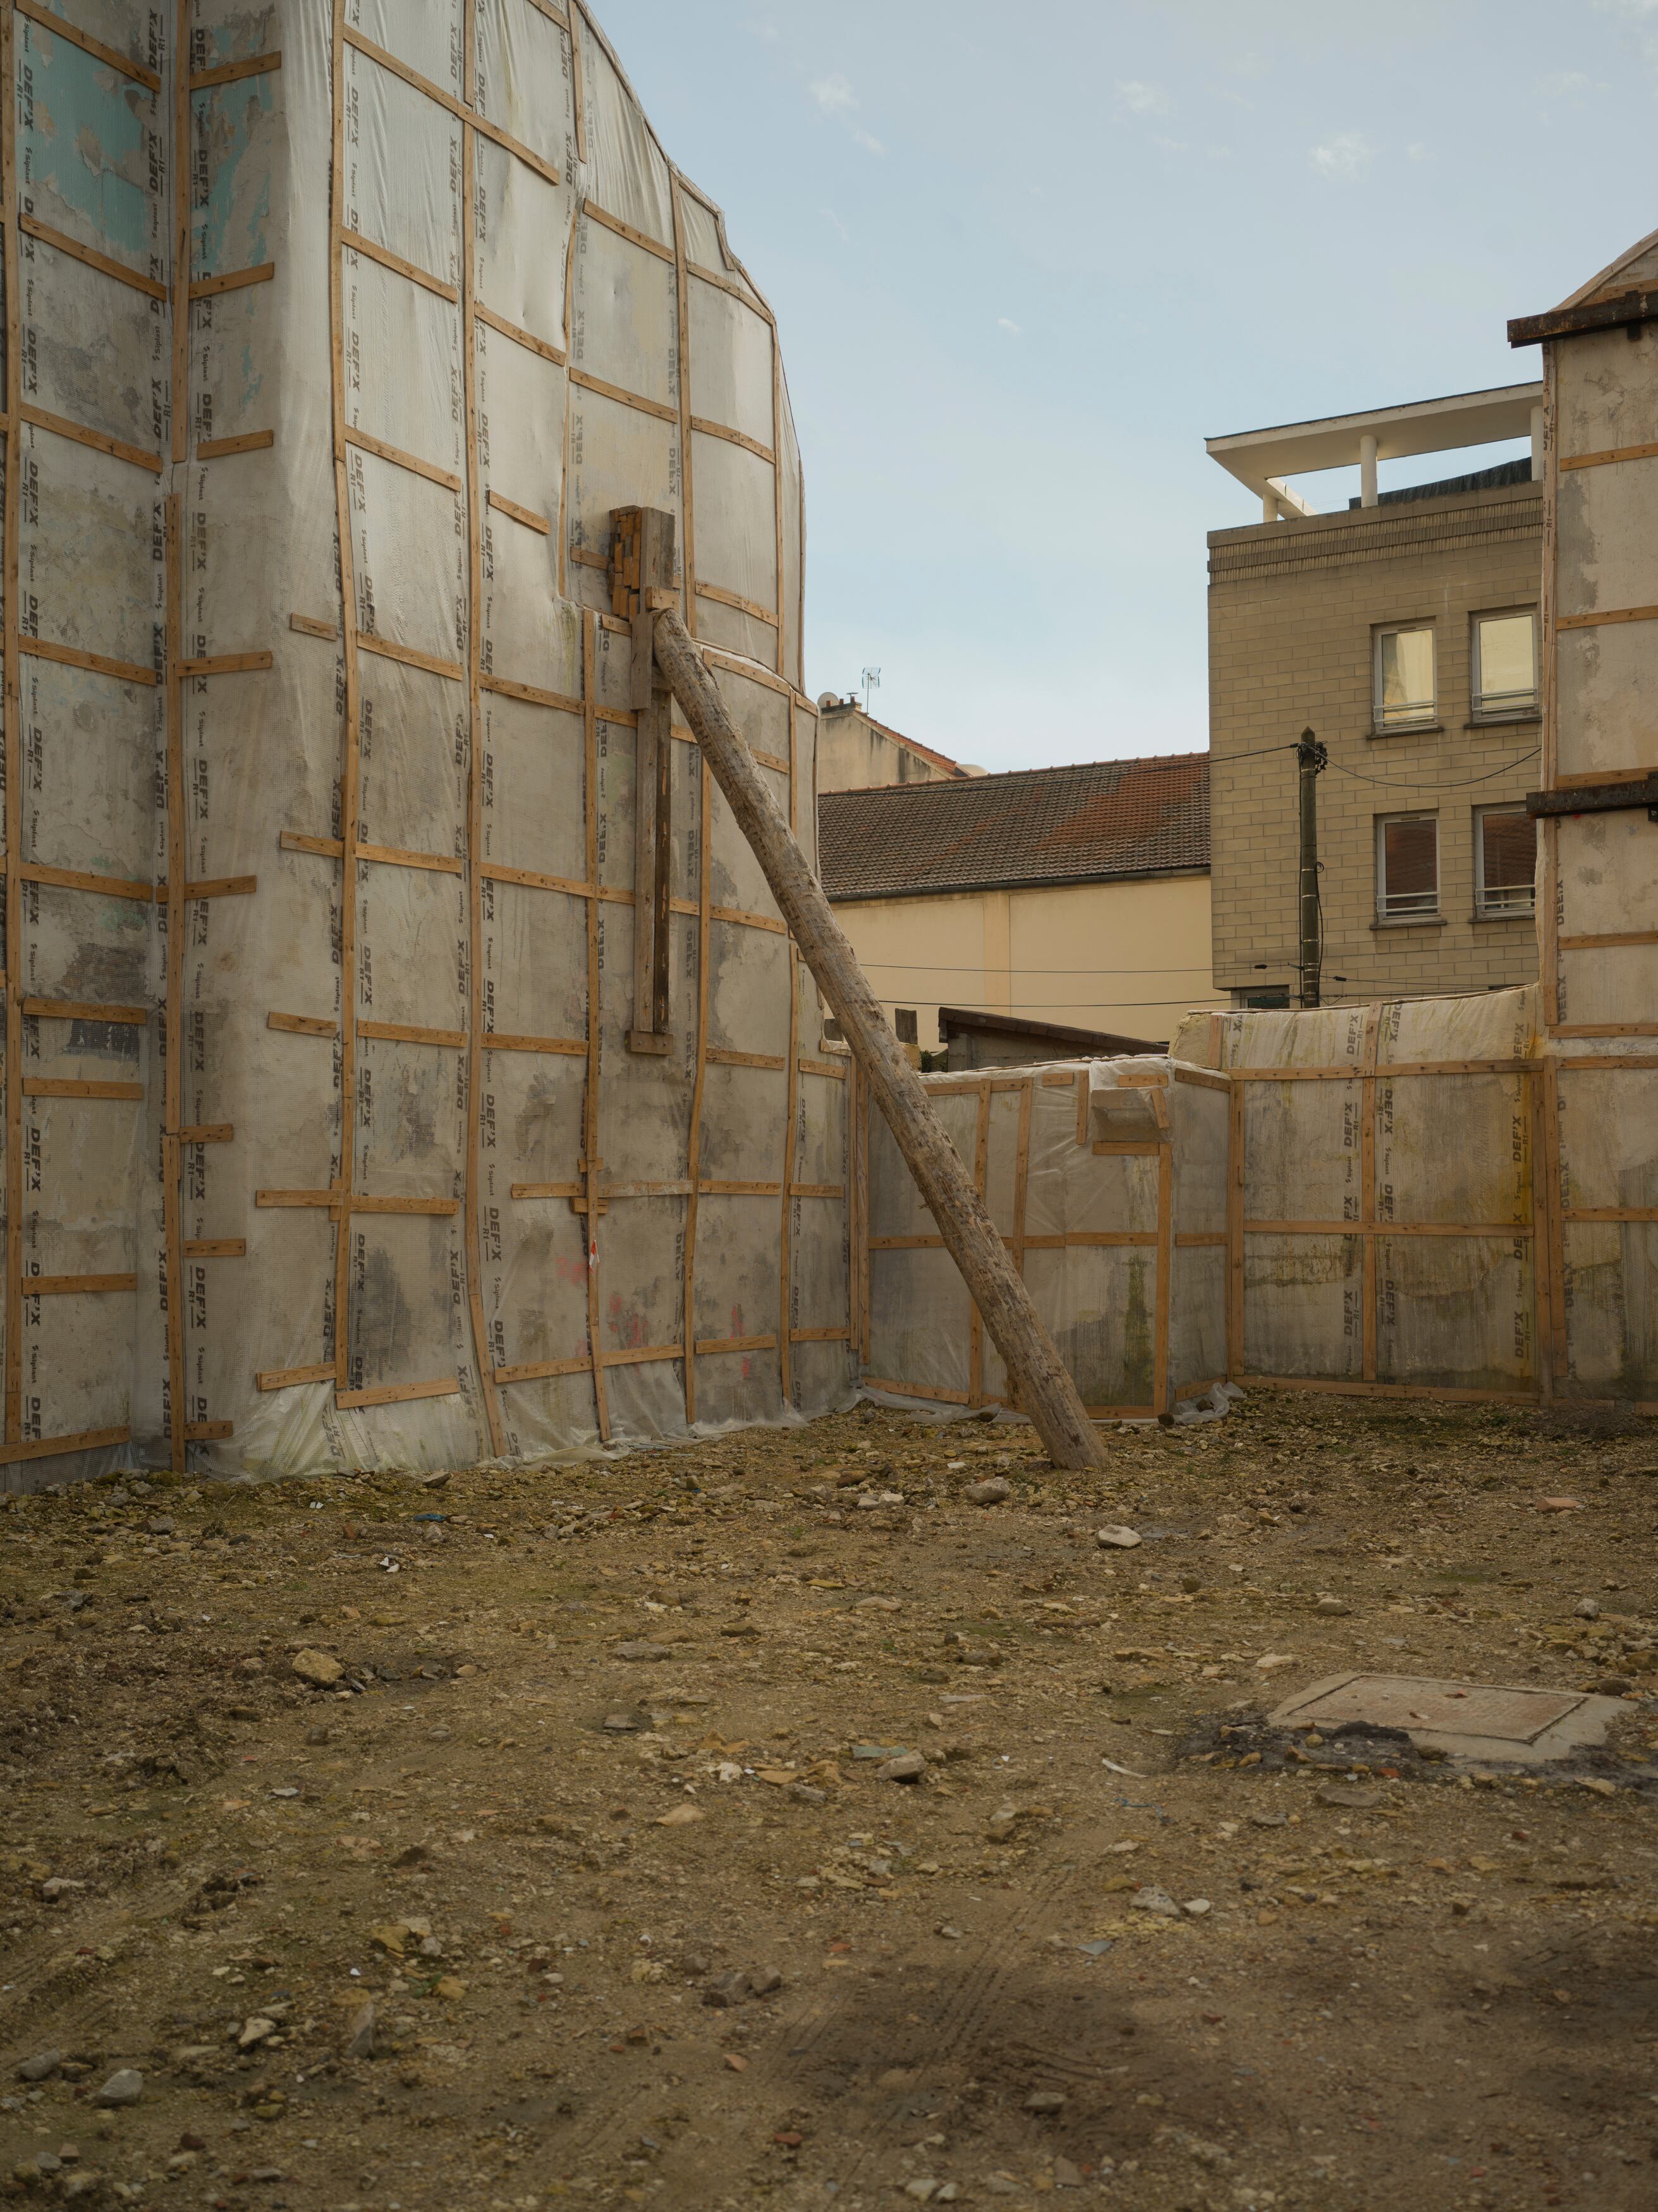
x,y
1024,260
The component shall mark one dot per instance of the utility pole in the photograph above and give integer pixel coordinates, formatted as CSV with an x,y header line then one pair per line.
x,y
1311,759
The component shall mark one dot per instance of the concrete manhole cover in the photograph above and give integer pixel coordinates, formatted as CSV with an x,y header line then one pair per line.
x,y
1474,1720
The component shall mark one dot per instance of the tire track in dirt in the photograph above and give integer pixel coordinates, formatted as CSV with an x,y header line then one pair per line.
x,y
949,2032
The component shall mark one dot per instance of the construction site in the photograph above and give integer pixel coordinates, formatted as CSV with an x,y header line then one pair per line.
x,y
588,1558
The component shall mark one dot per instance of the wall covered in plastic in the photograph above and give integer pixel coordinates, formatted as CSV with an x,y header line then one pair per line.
x,y
336,330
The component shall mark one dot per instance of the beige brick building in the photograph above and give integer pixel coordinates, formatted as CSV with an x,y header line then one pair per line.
x,y
1403,631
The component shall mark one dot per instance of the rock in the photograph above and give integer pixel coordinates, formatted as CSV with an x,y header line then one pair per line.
x,y
1614,1685
1150,1898
390,1935
763,1981
807,1793
878,1605
909,1766
1332,1608
624,1720
58,1885
1601,1789
1559,1504
1066,2176
159,1526
1269,1660
360,2034
950,1935
1269,1820
641,1651
41,2067
1587,1609
682,1816
434,1482
124,2086
725,1990
1115,1538
450,1987
1045,2100
1348,1796
991,1492
1197,1906
317,1668
1001,1824
255,2031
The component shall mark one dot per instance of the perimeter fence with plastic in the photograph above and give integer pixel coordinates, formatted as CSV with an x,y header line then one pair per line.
x,y
1426,1198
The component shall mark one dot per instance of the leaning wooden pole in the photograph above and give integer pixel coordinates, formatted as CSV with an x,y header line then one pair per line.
x,y
1041,1383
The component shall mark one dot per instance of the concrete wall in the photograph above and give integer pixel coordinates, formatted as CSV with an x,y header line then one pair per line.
x,y
1293,609
1131,957
857,754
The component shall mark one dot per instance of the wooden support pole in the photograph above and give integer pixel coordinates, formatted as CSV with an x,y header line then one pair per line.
x,y
1037,1375
642,561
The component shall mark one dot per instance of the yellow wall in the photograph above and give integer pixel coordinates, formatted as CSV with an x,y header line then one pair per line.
x,y
1143,949
854,754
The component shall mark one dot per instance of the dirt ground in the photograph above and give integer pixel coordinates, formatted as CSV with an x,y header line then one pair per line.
x,y
654,1928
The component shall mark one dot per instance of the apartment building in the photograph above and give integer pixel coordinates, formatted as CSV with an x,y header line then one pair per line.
x,y
1402,629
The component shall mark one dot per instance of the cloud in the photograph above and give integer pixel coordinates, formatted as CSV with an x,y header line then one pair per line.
x,y
840,229
836,96
1142,98
1568,84
1419,153
1013,330
1344,158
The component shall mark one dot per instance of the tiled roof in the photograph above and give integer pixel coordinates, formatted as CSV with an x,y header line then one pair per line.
x,y
1087,824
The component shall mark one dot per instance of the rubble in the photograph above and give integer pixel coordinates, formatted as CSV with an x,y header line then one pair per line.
x,y
496,1858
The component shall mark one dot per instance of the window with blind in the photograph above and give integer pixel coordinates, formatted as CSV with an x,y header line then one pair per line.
x,y
1404,694
1505,860
1406,867
1504,666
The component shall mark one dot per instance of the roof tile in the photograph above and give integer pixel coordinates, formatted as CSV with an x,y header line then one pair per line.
x,y
1088,822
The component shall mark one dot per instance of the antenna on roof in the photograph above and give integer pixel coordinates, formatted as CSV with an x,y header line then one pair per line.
x,y
870,680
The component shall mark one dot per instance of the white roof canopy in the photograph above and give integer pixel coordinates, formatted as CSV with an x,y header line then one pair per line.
x,y
1262,458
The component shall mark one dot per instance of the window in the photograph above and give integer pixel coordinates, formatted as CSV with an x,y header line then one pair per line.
x,y
1404,678
904,1024
832,1032
1505,664
1406,867
1505,860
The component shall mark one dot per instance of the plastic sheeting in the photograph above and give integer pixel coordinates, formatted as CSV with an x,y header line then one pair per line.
x,y
1108,1180
322,787
1428,1197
